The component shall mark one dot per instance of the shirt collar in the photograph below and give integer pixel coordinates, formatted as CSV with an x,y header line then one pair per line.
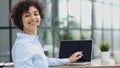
x,y
23,35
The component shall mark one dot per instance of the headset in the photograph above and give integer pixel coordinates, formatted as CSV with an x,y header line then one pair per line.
x,y
20,23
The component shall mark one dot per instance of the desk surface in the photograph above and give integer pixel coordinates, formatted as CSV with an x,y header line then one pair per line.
x,y
94,64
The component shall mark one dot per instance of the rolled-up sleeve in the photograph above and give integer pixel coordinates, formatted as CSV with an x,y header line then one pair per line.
x,y
57,61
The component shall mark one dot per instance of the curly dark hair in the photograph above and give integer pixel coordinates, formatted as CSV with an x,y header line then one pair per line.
x,y
22,6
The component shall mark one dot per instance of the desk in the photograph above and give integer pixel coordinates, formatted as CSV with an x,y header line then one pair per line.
x,y
94,64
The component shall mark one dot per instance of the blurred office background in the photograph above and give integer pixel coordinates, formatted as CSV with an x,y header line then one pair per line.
x,y
98,20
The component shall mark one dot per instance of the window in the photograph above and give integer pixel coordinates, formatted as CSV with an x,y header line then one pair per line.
x,y
68,20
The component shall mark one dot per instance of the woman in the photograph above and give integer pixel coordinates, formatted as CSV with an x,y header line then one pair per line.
x,y
27,52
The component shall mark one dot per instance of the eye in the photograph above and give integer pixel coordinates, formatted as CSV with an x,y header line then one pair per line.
x,y
36,14
27,15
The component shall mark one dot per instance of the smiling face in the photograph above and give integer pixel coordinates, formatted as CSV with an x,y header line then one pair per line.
x,y
31,19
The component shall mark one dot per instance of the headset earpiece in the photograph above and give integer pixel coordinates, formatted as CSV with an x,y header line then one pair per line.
x,y
20,24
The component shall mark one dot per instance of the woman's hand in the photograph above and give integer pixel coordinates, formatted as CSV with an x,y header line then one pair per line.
x,y
75,56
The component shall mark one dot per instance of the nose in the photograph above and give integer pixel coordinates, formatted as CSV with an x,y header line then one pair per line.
x,y
32,18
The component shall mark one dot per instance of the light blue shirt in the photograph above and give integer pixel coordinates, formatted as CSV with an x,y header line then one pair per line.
x,y
28,53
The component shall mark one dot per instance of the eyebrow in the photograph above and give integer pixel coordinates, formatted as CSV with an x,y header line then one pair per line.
x,y
36,12
29,12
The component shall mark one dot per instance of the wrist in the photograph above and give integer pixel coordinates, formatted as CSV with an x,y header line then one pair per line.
x,y
70,60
